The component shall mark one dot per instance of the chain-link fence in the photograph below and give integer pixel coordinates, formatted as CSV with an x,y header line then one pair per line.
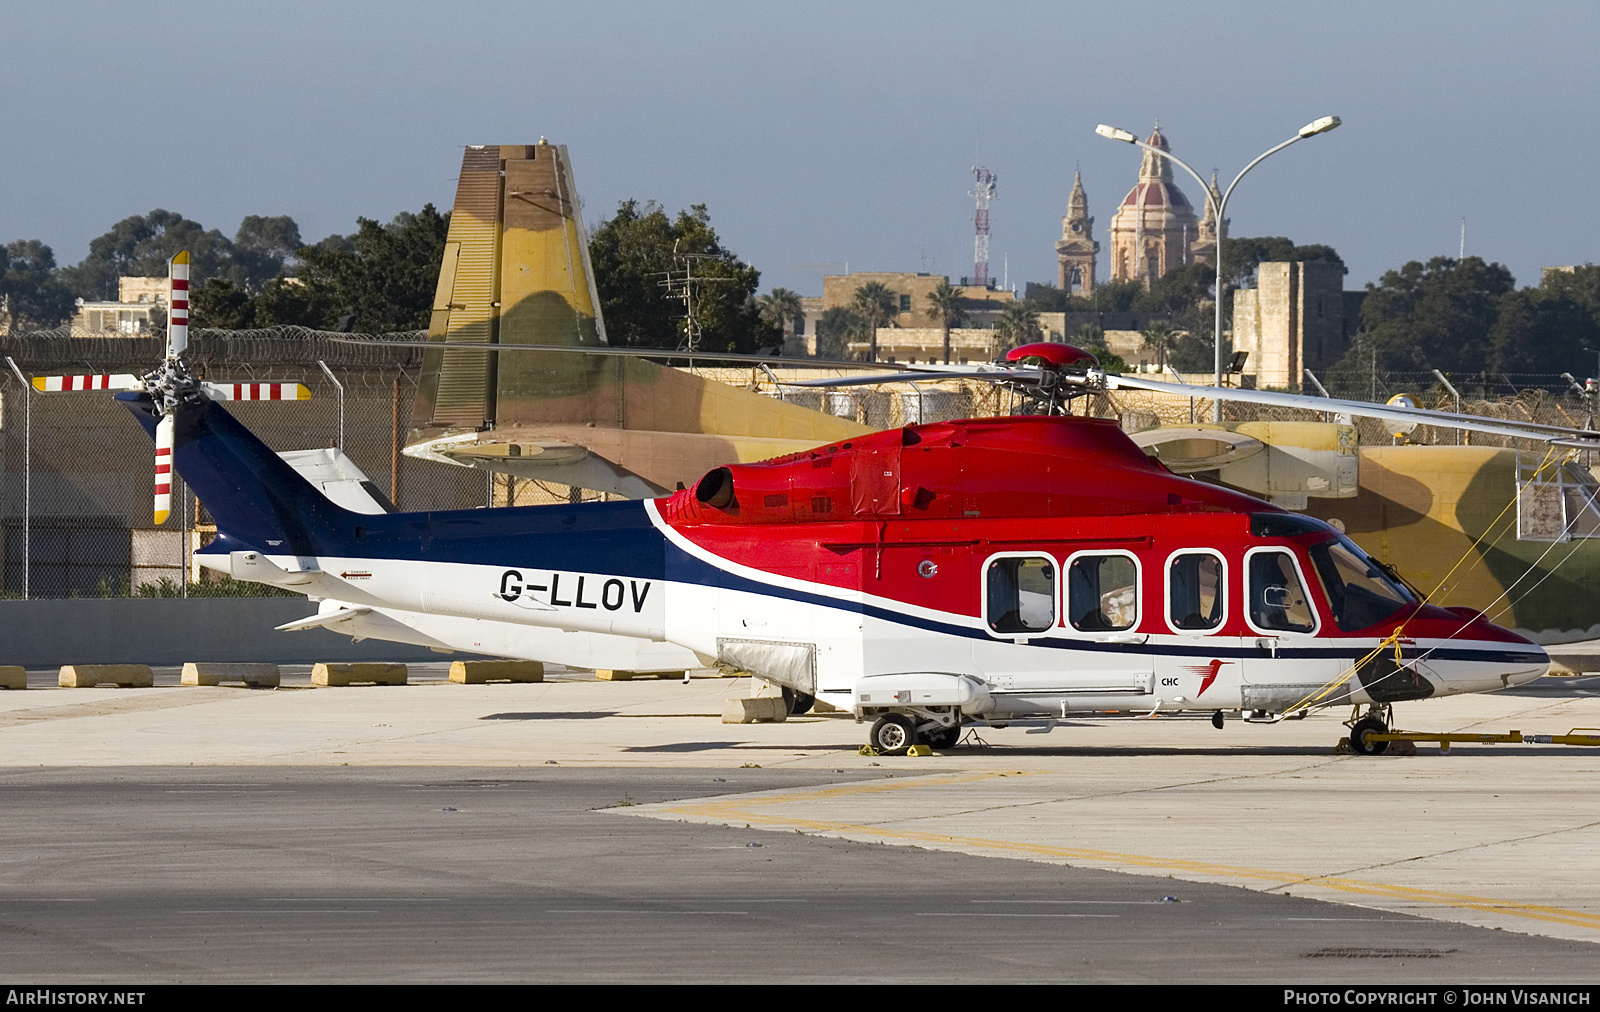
x,y
75,508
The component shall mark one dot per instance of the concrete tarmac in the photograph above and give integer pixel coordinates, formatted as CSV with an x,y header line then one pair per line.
x,y
582,830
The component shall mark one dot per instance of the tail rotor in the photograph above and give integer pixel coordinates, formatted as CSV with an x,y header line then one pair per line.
x,y
170,386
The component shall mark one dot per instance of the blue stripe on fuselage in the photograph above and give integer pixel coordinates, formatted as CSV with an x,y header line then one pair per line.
x,y
261,504
615,538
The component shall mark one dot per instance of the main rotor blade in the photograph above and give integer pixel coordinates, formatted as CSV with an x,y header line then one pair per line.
x,y
1023,374
1583,438
592,349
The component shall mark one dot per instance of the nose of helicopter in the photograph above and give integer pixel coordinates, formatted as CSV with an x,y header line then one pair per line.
x,y
1481,656
1531,660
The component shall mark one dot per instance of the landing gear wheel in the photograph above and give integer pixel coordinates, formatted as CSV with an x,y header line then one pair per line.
x,y
797,702
943,738
893,734
1358,736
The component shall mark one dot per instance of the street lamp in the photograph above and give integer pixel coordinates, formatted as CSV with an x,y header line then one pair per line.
x,y
1316,126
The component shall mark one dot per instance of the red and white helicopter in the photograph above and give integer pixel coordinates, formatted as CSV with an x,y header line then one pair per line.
x,y
928,578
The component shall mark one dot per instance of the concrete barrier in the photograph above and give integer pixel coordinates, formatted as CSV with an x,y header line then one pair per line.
x,y
480,672
13,676
611,675
123,676
256,676
760,710
357,674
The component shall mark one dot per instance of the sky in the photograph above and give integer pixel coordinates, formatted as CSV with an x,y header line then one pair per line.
x,y
819,134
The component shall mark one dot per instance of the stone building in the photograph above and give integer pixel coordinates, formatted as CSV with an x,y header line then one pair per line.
x,y
141,308
1156,230
1075,253
1298,317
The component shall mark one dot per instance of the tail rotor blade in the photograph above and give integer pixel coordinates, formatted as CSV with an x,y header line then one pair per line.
x,y
103,381
256,391
178,304
164,433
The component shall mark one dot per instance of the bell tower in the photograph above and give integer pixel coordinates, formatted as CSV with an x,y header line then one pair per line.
x,y
1075,253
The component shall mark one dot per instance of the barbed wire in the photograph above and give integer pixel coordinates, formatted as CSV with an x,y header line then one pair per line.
x,y
79,470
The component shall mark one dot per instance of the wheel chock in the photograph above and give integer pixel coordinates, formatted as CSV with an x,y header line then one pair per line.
x,y
869,751
919,750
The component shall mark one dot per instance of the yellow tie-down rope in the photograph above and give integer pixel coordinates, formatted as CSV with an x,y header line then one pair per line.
x,y
1393,639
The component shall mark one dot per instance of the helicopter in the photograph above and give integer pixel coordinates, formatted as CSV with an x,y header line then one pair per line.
x,y
928,578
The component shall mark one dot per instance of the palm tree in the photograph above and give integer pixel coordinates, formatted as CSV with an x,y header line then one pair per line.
x,y
1161,337
1018,324
876,304
779,308
1088,337
944,306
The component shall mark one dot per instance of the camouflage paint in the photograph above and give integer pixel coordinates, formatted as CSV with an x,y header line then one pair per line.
x,y
516,271
1424,509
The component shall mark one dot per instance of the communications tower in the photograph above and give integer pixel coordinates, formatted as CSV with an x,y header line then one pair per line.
x,y
982,193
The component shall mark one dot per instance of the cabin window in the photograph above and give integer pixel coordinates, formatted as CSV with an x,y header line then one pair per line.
x,y
1278,601
1021,594
1195,591
1103,592
1360,593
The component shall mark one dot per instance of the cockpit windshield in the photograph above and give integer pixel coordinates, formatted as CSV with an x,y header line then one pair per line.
x,y
1360,593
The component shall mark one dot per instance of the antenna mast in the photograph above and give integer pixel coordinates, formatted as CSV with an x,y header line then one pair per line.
x,y
680,286
982,193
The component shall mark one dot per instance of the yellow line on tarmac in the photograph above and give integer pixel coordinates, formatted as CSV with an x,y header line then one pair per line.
x,y
743,809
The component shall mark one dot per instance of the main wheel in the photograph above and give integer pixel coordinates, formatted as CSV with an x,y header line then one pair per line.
x,y
798,702
943,738
893,734
1358,736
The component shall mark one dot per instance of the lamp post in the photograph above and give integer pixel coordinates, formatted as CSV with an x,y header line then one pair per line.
x,y
1319,126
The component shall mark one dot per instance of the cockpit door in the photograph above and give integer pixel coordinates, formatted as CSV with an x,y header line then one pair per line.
x,y
1286,669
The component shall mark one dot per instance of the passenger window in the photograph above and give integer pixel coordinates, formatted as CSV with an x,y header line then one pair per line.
x,y
1194,591
1278,600
1102,593
1022,595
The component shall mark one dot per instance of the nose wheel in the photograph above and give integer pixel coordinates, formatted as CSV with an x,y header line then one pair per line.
x,y
1359,732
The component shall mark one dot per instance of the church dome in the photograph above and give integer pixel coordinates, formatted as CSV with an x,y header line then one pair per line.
x,y
1156,194
1155,227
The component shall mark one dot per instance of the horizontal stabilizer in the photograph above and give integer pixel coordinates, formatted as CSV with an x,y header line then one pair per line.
x,y
323,620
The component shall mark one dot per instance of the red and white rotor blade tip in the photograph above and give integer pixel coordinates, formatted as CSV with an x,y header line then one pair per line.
x,y
103,381
256,391
164,431
178,304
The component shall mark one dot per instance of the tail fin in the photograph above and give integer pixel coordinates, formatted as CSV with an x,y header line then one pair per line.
x,y
258,501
